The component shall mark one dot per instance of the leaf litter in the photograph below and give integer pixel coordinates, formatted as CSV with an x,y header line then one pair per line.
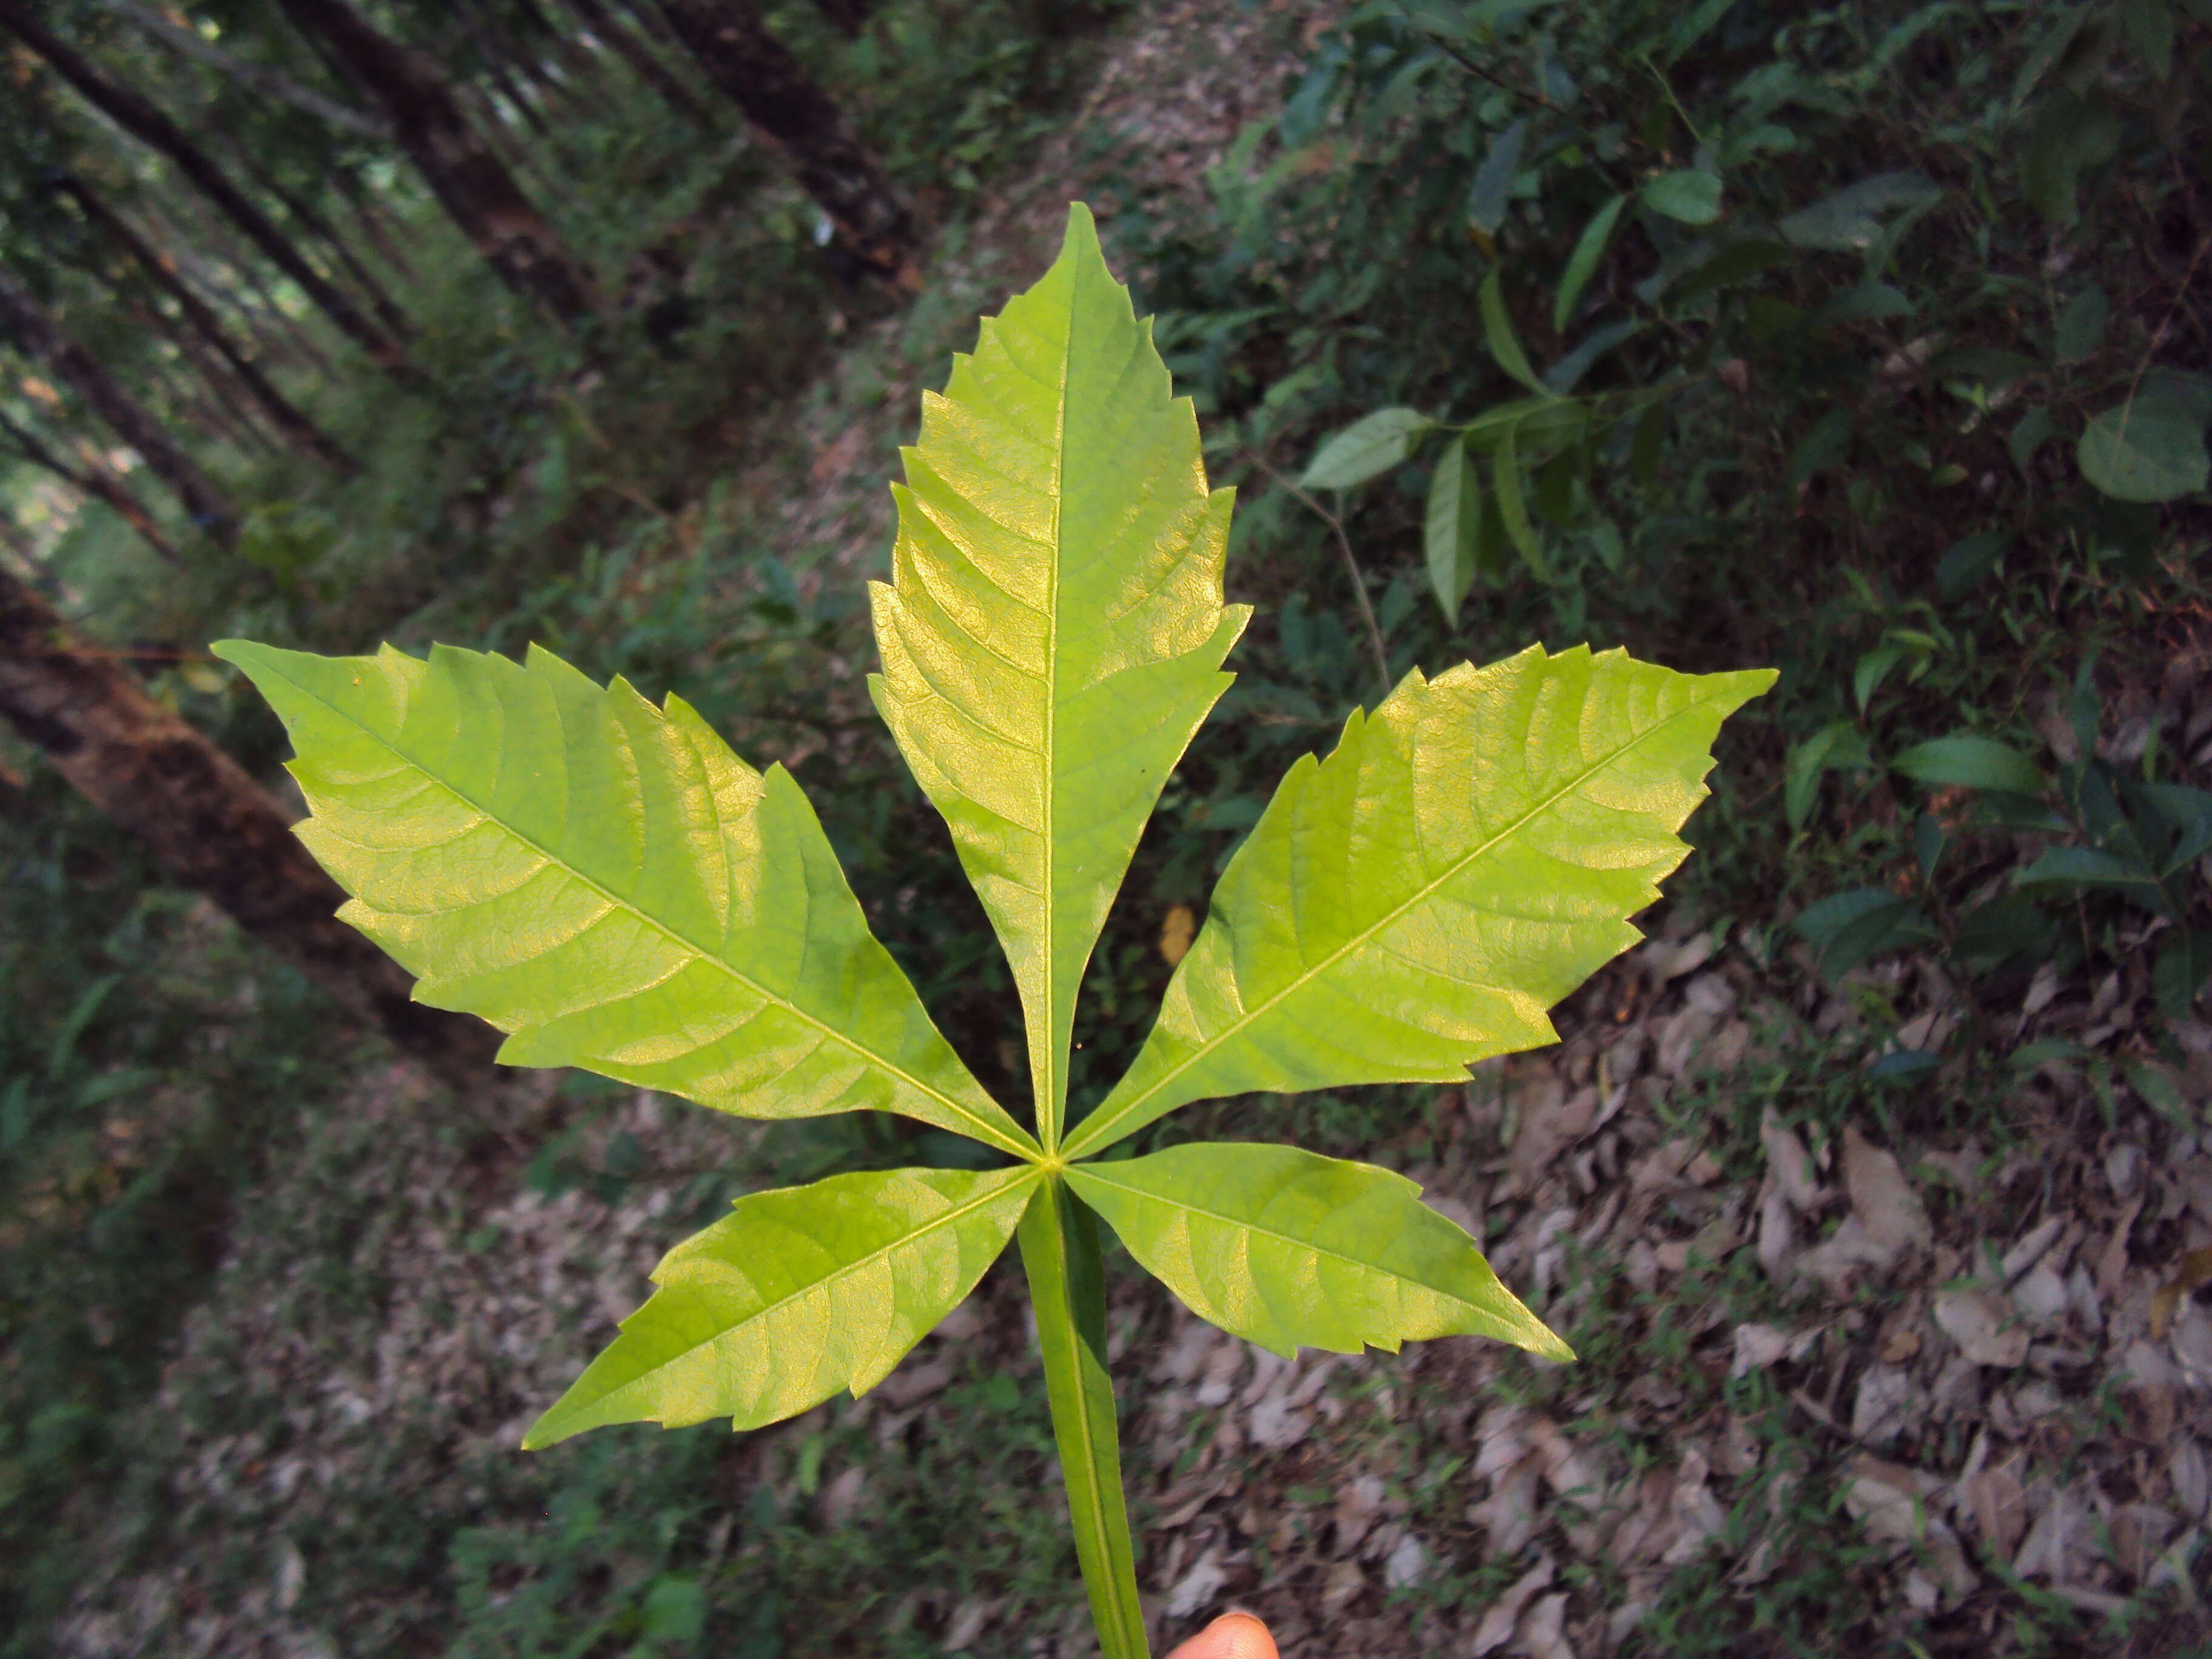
x,y
1958,1423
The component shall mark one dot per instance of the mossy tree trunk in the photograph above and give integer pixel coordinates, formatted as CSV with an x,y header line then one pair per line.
x,y
27,325
477,192
210,825
868,212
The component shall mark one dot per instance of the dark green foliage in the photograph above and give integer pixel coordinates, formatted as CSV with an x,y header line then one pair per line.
x,y
147,1061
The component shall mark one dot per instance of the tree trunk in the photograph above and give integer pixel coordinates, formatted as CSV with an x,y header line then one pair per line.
x,y
36,334
239,284
138,117
611,33
497,52
380,301
470,183
210,406
211,826
283,414
257,78
96,484
653,20
374,220
577,67
758,73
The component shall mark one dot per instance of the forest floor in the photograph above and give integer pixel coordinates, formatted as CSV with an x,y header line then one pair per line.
x,y
1949,1392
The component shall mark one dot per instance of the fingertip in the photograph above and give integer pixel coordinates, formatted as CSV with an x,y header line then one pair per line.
x,y
1232,1635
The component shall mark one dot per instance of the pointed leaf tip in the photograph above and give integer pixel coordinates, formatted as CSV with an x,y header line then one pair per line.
x,y
797,1293
1289,1250
582,871
1053,633
1511,819
1082,228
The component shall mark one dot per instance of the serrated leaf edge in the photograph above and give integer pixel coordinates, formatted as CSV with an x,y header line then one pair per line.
x,y
936,1223
1098,1172
984,1131
1098,1130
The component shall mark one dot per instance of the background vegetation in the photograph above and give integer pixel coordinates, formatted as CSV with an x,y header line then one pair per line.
x,y
1863,341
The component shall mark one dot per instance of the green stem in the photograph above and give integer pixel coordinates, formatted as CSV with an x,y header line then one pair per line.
x,y
1060,1252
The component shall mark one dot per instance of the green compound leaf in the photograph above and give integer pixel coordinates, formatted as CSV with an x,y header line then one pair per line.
x,y
608,883
795,1294
1054,631
1467,855
1287,1249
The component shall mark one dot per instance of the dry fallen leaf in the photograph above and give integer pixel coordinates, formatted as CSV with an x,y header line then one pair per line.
x,y
1999,1505
1543,1630
1698,1515
2112,1263
2139,1532
1551,1121
1890,1499
1176,934
1981,1322
1198,1586
967,1622
1357,1508
1778,1233
1498,1623
1758,1346
1408,1563
1345,1581
2062,1543
2194,1273
1883,1198
1888,1403
1791,1163
2191,1473
1509,1515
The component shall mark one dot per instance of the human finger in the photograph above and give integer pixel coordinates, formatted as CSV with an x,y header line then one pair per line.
x,y
1232,1635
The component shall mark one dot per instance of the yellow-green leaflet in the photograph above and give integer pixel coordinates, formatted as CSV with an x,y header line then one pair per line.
x,y
1055,631
1288,1248
606,881
796,1294
1467,855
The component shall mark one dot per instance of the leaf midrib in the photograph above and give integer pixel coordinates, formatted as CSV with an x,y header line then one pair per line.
x,y
1091,1171
936,1223
1048,1096
985,1130
1096,1129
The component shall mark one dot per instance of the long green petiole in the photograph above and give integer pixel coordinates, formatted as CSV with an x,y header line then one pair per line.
x,y
1060,1252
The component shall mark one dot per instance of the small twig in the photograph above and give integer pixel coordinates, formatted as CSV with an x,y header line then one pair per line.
x,y
2158,334
1473,66
1666,87
1821,1414
1350,563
